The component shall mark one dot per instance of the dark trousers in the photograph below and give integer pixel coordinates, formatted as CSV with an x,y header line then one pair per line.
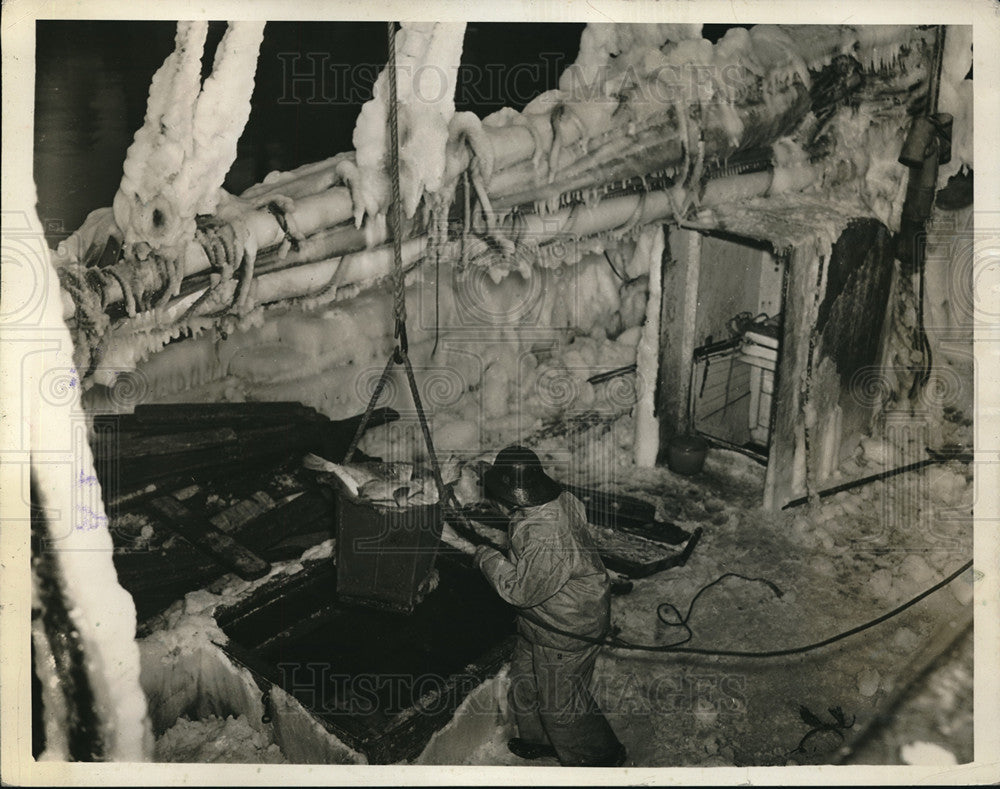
x,y
552,703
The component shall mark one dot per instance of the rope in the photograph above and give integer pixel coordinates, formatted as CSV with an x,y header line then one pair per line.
x,y
168,271
607,257
127,292
400,355
396,209
220,250
87,287
444,493
363,424
279,216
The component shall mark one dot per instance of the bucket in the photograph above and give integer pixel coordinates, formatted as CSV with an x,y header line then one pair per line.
x,y
384,556
686,454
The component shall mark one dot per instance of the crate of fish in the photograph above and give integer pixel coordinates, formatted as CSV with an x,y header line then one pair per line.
x,y
388,531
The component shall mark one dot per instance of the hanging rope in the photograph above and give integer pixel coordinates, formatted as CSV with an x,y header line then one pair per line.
x,y
396,209
400,354
376,393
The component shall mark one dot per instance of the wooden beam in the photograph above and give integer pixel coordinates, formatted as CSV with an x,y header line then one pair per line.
x,y
787,462
681,266
216,543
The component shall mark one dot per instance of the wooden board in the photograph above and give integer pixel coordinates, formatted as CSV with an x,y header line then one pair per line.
x,y
156,577
219,545
627,514
210,440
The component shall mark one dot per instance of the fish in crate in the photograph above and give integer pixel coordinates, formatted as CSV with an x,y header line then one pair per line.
x,y
388,527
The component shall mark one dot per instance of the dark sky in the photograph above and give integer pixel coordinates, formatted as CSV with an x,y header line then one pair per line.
x,y
93,77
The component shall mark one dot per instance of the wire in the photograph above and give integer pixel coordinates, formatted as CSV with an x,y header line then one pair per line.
x,y
608,258
619,643
682,621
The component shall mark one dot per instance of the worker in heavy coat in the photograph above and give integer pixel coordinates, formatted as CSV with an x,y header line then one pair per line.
x,y
554,576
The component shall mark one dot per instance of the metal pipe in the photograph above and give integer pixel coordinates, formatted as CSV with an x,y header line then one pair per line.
x,y
855,483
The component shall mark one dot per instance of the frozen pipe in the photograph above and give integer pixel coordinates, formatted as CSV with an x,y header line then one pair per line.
x,y
319,204
323,210
579,220
335,242
308,179
511,145
306,278
312,213
652,148
334,206
658,145
736,188
514,143
312,279
621,157
513,148
612,157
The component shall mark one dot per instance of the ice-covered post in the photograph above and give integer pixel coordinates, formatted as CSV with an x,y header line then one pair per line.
x,y
648,255
86,630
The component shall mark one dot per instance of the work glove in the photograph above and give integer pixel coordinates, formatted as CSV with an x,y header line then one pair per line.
x,y
450,537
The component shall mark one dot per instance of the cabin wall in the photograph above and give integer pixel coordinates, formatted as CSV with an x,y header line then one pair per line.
x,y
833,305
849,338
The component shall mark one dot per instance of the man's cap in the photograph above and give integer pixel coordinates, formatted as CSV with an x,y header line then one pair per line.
x,y
517,478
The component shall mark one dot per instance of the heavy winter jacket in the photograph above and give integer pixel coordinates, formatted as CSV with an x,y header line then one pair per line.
x,y
552,572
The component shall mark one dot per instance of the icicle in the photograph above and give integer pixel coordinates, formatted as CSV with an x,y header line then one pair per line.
x,y
175,167
425,52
